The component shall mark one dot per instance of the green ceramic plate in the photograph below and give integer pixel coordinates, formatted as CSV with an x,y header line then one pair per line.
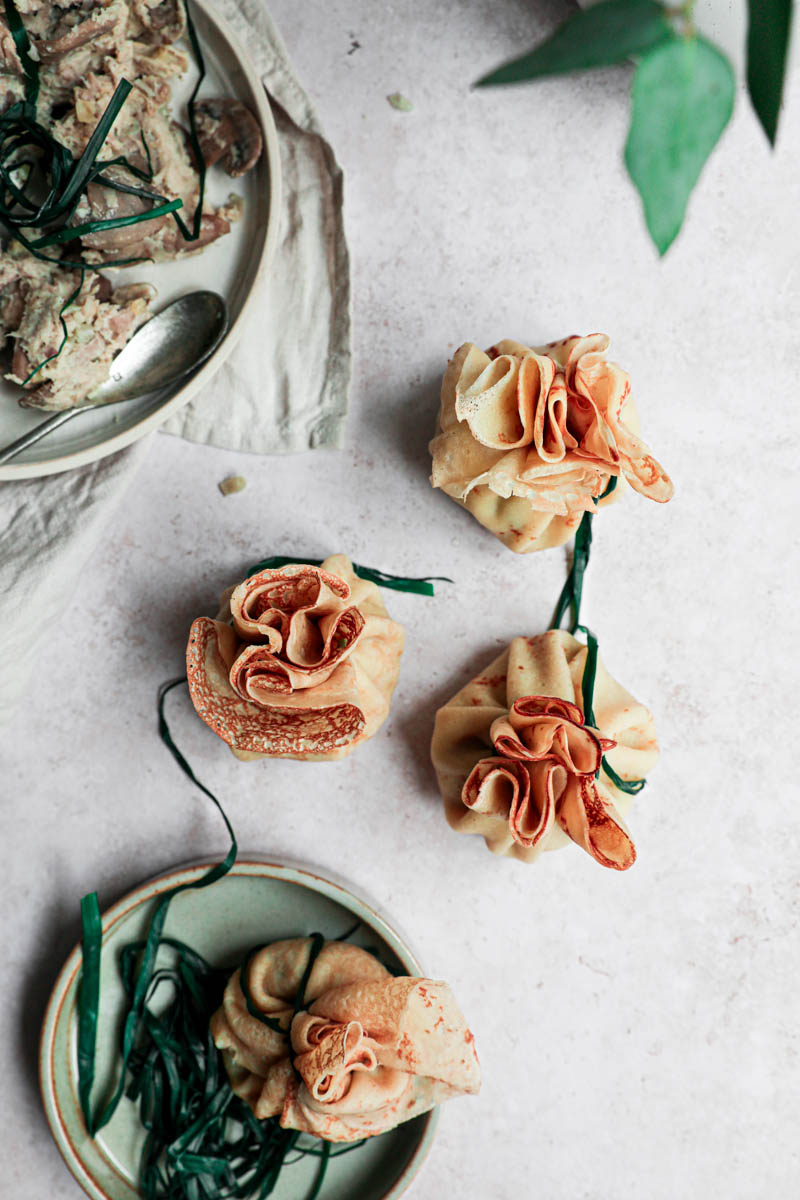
x,y
255,903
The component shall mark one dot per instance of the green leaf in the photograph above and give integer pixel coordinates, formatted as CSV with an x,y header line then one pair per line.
x,y
768,30
682,99
600,36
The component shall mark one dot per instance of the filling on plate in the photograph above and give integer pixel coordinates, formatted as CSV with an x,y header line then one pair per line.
x,y
99,321
68,69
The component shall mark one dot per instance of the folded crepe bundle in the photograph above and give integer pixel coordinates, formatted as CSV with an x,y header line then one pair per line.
x,y
301,662
366,1052
529,440
517,764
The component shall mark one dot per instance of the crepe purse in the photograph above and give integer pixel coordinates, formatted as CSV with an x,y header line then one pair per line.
x,y
529,441
366,1052
300,662
517,764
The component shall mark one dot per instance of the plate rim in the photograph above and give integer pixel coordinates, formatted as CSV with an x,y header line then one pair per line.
x,y
252,865
115,442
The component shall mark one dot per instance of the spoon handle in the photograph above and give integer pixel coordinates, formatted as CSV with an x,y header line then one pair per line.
x,y
39,431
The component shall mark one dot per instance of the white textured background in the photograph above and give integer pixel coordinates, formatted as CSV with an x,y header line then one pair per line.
x,y
638,1032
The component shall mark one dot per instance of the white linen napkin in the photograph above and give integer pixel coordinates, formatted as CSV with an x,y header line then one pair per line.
x,y
284,388
53,526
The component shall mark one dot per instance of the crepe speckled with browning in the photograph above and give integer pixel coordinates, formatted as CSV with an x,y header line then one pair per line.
x,y
528,440
516,763
301,662
367,1052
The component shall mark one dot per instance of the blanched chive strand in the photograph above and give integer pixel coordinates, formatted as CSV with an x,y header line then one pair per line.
x,y
345,937
203,1142
148,174
15,192
572,592
29,65
310,1151
217,1106
77,231
65,332
73,266
422,586
146,964
68,179
83,166
317,942
166,737
323,1166
589,677
131,189
271,1022
630,786
88,998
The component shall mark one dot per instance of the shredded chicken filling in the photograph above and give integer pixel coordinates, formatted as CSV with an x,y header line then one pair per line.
x,y
84,49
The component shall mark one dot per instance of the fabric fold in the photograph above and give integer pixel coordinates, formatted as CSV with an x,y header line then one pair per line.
x,y
284,388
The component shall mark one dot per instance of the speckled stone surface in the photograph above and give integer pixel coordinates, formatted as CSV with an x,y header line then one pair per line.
x,y
638,1032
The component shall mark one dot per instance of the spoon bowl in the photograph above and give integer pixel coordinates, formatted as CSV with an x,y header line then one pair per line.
x,y
171,344
168,346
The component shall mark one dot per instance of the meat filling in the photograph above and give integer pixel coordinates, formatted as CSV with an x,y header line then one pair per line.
x,y
84,48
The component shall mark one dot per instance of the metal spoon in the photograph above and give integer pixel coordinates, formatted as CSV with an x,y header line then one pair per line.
x,y
171,344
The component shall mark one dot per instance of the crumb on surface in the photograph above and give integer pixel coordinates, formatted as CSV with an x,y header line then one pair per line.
x,y
399,101
234,483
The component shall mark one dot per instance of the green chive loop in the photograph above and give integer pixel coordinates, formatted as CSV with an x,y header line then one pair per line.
x,y
399,583
317,942
631,787
65,180
199,161
271,1022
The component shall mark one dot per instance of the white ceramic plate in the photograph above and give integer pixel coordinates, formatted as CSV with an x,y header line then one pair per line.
x,y
232,266
257,902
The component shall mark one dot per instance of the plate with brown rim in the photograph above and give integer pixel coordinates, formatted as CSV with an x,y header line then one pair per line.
x,y
257,902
